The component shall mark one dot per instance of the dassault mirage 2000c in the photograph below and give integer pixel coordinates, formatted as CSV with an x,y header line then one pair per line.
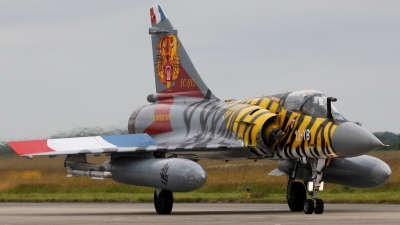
x,y
185,122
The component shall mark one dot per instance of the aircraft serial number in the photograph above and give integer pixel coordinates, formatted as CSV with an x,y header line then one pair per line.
x,y
302,134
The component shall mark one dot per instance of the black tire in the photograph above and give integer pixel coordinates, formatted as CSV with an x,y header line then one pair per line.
x,y
164,202
299,196
308,206
319,208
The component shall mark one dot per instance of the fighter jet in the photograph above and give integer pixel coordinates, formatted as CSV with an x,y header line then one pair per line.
x,y
185,122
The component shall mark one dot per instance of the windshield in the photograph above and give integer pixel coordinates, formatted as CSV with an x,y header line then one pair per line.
x,y
312,103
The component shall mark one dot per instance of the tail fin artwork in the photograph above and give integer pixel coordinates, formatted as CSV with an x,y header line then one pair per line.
x,y
173,70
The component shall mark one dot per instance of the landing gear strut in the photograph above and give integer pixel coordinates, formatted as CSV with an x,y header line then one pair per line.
x,y
296,193
163,201
315,204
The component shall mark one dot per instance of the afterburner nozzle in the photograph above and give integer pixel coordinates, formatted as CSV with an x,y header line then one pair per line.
x,y
350,140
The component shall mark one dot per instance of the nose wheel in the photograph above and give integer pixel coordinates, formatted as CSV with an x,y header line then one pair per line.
x,y
319,206
310,206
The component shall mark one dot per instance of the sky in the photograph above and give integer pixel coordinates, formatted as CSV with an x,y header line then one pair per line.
x,y
70,64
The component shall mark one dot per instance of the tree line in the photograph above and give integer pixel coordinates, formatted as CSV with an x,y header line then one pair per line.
x,y
389,138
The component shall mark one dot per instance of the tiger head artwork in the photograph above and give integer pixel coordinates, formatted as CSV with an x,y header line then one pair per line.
x,y
167,63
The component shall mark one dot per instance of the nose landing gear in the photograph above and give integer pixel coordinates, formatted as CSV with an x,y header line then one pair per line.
x,y
296,192
315,204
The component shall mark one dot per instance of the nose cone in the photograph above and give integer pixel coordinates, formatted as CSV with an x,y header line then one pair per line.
x,y
350,140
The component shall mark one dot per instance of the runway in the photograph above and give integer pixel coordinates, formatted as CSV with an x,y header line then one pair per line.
x,y
193,214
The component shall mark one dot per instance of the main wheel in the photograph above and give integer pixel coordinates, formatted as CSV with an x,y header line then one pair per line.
x,y
319,208
163,202
308,206
298,194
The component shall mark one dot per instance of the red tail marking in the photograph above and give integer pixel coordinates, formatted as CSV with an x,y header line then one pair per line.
x,y
183,86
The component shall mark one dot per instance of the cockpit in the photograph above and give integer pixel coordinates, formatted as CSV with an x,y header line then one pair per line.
x,y
312,103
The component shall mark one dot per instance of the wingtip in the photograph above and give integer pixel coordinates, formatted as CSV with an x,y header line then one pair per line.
x,y
30,147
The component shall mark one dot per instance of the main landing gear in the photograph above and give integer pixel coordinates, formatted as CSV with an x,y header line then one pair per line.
x,y
296,192
163,201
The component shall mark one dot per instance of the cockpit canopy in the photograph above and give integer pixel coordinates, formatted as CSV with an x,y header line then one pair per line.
x,y
312,103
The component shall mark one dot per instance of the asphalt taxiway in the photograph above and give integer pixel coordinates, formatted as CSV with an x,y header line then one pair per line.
x,y
193,213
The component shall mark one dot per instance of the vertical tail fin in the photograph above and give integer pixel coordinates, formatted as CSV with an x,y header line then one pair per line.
x,y
173,70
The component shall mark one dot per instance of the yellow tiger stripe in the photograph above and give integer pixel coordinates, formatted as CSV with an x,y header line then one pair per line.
x,y
254,101
265,102
229,115
274,107
239,121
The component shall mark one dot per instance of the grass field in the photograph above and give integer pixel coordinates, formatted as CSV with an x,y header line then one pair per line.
x,y
43,179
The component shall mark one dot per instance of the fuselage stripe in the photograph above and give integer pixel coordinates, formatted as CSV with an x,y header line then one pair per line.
x,y
269,104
